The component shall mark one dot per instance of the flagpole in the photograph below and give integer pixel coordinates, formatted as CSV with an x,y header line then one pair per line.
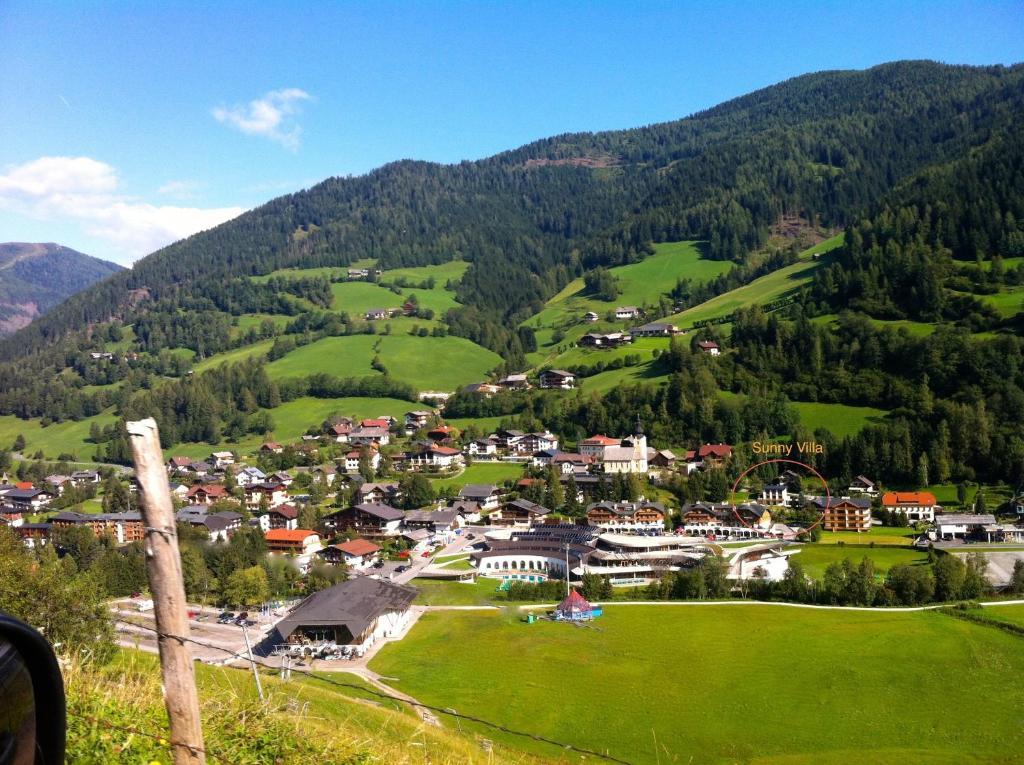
x,y
566,569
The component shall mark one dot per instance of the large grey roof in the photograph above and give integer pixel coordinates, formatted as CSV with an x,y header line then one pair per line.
x,y
354,604
384,512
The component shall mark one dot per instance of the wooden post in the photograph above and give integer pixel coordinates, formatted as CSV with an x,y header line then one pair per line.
x,y
163,563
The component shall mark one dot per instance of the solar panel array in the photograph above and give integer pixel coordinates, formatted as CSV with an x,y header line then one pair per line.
x,y
570,533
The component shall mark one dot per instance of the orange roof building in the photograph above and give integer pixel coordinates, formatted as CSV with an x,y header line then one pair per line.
x,y
293,541
916,505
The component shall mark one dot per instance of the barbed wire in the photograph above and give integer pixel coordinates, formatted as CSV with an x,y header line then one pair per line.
x,y
390,697
164,739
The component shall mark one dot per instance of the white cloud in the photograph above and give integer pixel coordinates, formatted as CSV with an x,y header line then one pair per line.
x,y
85,191
270,116
179,189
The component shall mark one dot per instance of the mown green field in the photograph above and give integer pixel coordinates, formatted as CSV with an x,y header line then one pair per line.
x,y
730,684
644,374
356,298
815,558
770,287
234,355
438,592
880,535
1009,301
484,472
841,419
914,328
640,283
438,299
63,437
444,363
293,418
1009,614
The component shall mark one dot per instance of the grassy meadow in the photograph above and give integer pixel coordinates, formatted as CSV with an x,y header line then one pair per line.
x,y
293,418
64,437
341,721
483,472
841,419
729,684
427,363
773,286
815,558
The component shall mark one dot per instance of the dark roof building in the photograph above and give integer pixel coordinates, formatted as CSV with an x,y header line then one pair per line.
x,y
356,612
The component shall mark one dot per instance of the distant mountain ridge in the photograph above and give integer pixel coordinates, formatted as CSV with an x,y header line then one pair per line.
x,y
35,277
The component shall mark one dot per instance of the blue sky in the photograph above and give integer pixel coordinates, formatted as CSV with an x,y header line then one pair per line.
x,y
126,125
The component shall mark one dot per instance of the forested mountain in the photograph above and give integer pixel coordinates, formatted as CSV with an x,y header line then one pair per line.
x,y
825,146
36,277
915,316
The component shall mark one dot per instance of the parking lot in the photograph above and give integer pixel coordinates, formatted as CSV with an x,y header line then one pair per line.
x,y
135,629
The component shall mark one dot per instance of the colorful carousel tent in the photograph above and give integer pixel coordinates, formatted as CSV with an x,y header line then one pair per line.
x,y
576,608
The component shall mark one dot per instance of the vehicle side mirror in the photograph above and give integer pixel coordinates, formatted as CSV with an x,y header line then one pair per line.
x,y
33,715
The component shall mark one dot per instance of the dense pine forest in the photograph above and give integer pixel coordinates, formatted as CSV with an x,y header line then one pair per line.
x,y
920,164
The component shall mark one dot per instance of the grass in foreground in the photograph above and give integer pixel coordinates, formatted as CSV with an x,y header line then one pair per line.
x,y
727,684
304,720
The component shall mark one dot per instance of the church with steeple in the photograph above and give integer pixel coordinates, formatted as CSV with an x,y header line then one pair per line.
x,y
630,456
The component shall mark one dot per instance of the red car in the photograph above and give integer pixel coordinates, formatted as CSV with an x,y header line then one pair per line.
x,y
426,554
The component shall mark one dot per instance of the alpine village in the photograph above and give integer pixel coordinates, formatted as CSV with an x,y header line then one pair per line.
x,y
718,419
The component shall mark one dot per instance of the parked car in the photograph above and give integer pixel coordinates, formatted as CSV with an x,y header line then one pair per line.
x,y
378,564
225,617
401,569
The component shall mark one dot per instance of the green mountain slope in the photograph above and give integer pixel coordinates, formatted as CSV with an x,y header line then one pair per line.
x,y
694,220
528,221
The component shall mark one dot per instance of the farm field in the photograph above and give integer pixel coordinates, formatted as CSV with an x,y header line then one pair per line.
x,y
816,557
763,290
1009,614
64,437
841,419
356,298
234,355
293,418
640,283
880,535
643,347
438,592
714,713
1009,302
914,328
483,472
444,363
486,424
438,299
645,374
